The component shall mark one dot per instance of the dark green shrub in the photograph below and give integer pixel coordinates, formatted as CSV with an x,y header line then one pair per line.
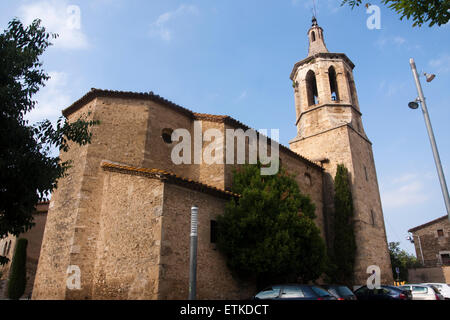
x,y
18,273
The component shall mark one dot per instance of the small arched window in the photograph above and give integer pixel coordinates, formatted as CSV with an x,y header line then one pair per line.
x,y
311,88
351,86
9,247
308,179
333,84
372,214
313,36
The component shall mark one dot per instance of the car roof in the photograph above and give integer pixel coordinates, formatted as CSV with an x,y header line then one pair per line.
x,y
279,286
333,285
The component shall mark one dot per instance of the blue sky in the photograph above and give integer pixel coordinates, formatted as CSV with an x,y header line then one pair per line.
x,y
235,57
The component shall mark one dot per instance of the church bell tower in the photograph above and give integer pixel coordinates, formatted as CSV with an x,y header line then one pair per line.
x,y
330,131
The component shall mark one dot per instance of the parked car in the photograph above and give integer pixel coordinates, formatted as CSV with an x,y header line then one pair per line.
x,y
423,292
294,292
384,293
443,288
340,292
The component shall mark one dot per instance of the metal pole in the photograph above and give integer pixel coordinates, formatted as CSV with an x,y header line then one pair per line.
x,y
421,252
193,254
437,160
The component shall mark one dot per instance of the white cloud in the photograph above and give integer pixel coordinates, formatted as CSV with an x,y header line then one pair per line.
x,y
441,64
51,99
392,88
405,191
160,28
242,96
399,40
388,42
58,17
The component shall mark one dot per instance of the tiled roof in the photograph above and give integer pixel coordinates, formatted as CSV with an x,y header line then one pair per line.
x,y
95,93
428,224
168,177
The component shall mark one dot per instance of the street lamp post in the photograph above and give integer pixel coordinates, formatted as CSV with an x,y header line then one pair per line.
x,y
437,159
411,239
193,254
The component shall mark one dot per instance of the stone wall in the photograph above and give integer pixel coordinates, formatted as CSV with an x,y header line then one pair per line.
x,y
431,244
50,281
344,145
214,280
34,237
430,274
127,261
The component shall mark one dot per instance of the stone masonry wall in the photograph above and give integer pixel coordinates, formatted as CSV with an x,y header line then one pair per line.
x,y
343,145
432,244
50,281
214,280
127,259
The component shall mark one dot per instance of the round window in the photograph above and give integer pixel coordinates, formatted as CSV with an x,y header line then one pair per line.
x,y
166,135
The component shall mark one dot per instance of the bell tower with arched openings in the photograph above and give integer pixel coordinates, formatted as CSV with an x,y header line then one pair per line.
x,y
330,131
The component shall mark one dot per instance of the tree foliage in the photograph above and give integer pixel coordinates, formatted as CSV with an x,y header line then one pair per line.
x,y
269,232
420,11
402,260
344,243
28,171
18,274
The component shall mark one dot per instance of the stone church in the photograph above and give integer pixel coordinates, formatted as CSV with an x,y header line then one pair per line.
x,y
121,219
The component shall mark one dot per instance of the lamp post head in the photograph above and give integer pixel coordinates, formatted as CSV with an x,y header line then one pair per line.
x,y
429,77
413,105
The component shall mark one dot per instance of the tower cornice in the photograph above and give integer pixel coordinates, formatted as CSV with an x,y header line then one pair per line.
x,y
328,105
348,125
323,55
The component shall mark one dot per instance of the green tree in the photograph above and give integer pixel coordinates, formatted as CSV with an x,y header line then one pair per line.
x,y
268,233
402,260
18,274
420,11
28,171
344,243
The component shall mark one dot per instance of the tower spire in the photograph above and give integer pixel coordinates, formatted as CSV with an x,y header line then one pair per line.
x,y
316,41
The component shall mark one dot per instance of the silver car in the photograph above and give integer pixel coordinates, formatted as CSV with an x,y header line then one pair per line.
x,y
443,288
423,292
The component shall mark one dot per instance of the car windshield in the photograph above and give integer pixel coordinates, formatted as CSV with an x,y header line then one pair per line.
x,y
268,293
344,291
320,292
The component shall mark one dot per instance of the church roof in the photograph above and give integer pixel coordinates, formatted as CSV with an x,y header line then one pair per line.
x,y
168,177
96,93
